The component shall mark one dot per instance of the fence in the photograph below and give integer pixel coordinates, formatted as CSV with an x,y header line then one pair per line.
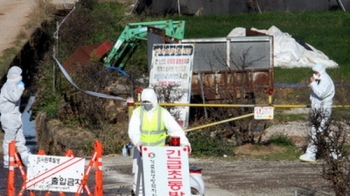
x,y
96,160
131,105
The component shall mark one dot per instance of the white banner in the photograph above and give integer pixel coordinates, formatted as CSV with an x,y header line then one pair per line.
x,y
54,173
172,65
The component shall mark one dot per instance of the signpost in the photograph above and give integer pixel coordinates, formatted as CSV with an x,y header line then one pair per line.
x,y
166,171
172,66
54,173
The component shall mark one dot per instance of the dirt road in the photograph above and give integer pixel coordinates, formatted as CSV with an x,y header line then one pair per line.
x,y
14,15
244,177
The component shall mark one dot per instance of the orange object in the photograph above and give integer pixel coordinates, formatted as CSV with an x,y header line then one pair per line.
x,y
41,152
98,170
69,153
138,89
11,174
96,158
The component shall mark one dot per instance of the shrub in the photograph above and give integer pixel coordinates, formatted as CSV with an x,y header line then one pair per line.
x,y
281,140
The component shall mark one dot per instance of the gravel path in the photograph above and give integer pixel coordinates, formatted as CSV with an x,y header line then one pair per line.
x,y
251,177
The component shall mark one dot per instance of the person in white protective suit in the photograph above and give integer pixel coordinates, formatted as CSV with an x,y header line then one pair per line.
x,y
322,93
11,117
146,129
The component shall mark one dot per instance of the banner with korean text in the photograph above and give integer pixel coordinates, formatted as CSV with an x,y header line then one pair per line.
x,y
54,173
166,171
171,76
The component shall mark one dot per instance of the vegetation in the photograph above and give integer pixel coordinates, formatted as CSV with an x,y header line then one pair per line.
x,y
330,140
93,23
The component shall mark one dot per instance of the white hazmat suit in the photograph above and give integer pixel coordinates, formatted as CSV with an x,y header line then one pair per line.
x,y
11,117
134,132
321,97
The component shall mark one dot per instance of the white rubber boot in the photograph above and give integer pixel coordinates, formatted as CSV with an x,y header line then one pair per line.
x,y
308,157
24,157
6,161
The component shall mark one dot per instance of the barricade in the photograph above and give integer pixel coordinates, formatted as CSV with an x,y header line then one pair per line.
x,y
96,160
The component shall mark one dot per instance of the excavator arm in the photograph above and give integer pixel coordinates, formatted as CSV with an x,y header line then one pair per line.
x,y
133,33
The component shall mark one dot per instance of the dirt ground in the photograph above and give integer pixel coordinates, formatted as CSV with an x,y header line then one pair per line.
x,y
247,176
242,177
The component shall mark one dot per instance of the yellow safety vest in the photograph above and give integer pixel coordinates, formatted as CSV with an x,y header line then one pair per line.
x,y
153,132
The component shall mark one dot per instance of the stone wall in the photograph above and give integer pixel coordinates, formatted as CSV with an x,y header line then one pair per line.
x,y
56,139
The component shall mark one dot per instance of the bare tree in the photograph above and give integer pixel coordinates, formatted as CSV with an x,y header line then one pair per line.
x,y
329,140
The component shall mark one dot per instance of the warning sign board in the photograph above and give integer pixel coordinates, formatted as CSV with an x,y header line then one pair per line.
x,y
54,173
263,113
166,171
172,66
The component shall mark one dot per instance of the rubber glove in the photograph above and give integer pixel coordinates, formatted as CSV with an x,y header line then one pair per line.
x,y
189,149
139,146
20,83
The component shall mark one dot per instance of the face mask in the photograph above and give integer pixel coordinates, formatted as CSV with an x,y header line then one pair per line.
x,y
147,106
316,76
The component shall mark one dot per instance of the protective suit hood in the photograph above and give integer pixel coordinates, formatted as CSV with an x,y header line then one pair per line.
x,y
14,74
148,94
319,68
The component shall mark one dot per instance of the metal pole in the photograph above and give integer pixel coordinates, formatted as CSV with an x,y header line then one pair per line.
x,y
207,105
341,5
291,106
134,7
219,122
202,92
241,105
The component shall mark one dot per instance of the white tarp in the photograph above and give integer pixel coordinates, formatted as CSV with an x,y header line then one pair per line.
x,y
288,52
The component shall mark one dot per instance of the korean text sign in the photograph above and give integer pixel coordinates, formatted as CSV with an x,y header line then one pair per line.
x,y
54,173
263,113
166,171
172,65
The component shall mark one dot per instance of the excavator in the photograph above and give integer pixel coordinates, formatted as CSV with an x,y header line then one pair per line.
x,y
131,37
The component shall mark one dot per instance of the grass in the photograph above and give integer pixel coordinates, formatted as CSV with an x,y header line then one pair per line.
x,y
280,116
326,31
288,153
286,149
